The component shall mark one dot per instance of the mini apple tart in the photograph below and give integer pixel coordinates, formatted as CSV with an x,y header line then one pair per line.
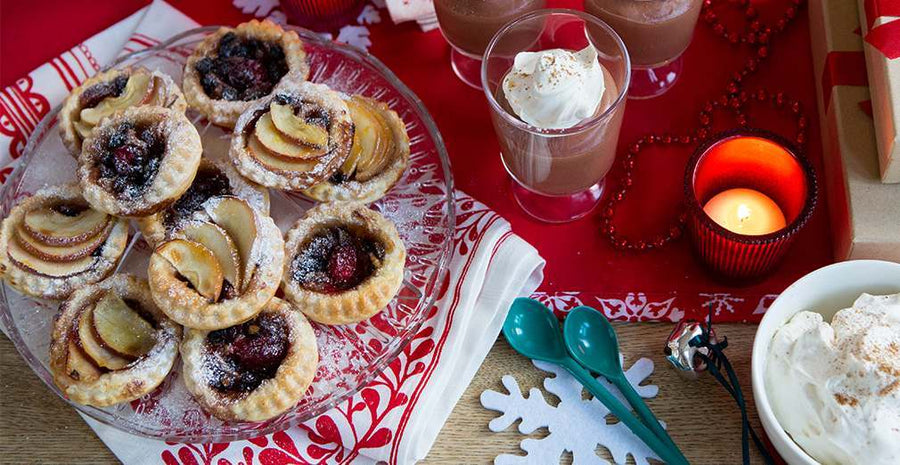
x,y
213,180
54,243
139,161
111,344
344,263
233,68
220,268
295,139
255,370
111,91
378,156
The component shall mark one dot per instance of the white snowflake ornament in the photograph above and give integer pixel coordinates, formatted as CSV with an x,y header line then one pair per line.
x,y
357,36
369,15
576,424
258,8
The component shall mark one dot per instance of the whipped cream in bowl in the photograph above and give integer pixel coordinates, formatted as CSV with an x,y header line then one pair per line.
x,y
826,366
556,88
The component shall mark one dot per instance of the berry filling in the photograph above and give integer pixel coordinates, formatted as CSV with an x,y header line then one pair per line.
x,y
210,182
92,96
243,68
131,159
335,260
241,357
70,210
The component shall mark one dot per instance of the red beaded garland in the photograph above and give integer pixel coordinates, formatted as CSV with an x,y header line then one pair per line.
x,y
734,99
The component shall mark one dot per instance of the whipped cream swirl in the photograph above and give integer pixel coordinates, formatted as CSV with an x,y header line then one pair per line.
x,y
835,388
555,89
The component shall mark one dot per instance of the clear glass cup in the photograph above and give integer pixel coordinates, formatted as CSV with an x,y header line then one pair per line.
x,y
558,174
656,32
468,26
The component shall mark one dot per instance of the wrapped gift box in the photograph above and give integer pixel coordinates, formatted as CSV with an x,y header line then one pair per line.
x,y
865,213
880,28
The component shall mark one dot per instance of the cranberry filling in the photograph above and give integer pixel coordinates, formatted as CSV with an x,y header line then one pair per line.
x,y
243,356
69,209
335,260
210,182
243,69
131,158
95,94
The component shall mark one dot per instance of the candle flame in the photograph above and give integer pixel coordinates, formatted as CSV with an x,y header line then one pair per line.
x,y
743,212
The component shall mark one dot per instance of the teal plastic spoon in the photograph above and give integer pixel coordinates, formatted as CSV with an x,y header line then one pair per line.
x,y
592,342
533,331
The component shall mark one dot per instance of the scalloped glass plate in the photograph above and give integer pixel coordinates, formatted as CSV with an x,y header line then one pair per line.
x,y
421,205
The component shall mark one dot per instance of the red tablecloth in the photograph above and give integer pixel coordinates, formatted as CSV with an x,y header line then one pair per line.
x,y
582,266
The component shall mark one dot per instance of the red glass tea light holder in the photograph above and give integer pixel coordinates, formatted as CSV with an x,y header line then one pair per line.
x,y
322,15
746,178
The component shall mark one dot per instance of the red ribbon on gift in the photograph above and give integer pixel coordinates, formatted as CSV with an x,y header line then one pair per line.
x,y
842,69
886,37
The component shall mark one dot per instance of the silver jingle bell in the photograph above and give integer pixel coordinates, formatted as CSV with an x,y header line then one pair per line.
x,y
682,348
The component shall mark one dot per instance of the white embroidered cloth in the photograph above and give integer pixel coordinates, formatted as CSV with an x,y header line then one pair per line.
x,y
398,416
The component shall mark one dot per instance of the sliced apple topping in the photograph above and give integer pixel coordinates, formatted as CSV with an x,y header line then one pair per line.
x,y
78,366
281,144
197,264
273,162
62,253
373,141
159,95
93,347
25,260
121,328
238,219
138,90
220,244
296,127
64,225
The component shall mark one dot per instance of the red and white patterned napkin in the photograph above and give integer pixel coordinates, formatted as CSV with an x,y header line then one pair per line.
x,y
397,417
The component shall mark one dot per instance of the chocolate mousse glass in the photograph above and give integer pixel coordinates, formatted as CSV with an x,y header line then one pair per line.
x,y
656,32
468,26
556,96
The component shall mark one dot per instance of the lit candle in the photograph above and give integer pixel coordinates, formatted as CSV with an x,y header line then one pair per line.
x,y
745,211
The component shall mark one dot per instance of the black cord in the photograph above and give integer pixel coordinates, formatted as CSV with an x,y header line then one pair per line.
x,y
715,361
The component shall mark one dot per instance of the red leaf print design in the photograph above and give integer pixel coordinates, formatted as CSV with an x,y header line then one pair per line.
x,y
285,443
316,452
275,457
422,350
379,439
168,458
187,457
4,173
327,430
371,397
260,441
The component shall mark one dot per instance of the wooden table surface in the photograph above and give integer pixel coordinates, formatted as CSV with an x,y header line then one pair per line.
x,y
702,418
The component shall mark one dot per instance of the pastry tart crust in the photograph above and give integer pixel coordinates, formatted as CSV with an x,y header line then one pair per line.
x,y
35,284
184,304
177,167
154,227
339,139
71,108
376,187
136,379
275,395
225,113
366,298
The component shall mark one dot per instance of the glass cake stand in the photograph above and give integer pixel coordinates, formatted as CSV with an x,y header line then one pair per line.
x,y
421,205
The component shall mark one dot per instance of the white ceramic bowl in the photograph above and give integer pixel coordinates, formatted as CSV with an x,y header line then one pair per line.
x,y
826,290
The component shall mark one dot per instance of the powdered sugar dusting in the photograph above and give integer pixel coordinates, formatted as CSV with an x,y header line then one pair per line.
x,y
349,355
